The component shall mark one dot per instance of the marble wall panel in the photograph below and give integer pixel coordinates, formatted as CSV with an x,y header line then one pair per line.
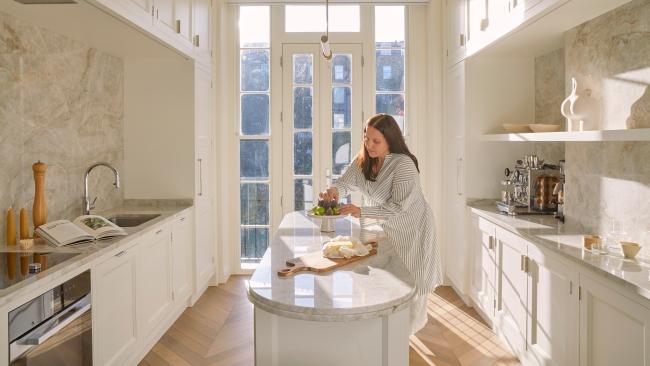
x,y
611,55
61,102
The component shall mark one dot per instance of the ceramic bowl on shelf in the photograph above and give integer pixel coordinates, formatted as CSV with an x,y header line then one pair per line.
x,y
543,127
516,127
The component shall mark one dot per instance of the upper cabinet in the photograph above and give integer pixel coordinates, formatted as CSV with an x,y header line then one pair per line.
x,y
456,30
183,25
202,15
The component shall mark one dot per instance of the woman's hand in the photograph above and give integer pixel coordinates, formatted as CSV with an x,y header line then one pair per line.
x,y
350,209
331,194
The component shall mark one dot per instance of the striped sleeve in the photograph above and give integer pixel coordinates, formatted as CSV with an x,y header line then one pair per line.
x,y
350,181
403,183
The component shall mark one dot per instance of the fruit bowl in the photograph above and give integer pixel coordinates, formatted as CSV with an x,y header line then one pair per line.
x,y
327,212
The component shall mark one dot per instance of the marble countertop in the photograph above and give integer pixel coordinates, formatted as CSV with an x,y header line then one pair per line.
x,y
89,253
566,240
368,288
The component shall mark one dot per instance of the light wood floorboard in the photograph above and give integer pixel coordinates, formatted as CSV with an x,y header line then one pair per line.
x,y
218,331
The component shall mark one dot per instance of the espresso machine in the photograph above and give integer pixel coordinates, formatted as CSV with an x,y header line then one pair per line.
x,y
530,188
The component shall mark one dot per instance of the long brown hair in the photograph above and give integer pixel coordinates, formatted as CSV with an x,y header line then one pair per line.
x,y
388,127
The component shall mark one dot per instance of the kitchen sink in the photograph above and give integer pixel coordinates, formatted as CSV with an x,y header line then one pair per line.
x,y
131,220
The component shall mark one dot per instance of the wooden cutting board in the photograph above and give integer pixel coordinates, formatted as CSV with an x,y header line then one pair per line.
x,y
315,262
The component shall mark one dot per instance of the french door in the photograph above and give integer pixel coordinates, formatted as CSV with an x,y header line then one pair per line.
x,y
321,119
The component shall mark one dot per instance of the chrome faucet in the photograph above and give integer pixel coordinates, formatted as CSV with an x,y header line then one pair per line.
x,y
91,205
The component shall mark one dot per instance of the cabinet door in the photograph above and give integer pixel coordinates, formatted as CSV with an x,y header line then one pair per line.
x,y
454,222
154,279
552,308
456,30
512,301
182,249
166,15
614,329
140,12
183,12
201,15
115,333
483,246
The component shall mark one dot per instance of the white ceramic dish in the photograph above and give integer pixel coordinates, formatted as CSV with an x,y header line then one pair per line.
x,y
515,127
308,212
542,127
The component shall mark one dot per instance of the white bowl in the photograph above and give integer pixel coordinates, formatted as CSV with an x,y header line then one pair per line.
x,y
542,127
515,127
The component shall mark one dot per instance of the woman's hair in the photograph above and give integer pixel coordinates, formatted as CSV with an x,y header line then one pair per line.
x,y
388,127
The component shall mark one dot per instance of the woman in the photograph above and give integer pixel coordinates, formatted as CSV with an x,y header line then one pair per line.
x,y
386,173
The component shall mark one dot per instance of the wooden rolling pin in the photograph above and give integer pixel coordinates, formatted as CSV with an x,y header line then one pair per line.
x,y
39,211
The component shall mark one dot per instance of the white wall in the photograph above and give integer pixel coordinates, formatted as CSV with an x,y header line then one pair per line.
x,y
158,101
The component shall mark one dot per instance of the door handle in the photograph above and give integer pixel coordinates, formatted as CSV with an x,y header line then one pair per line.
x,y
459,162
52,326
200,177
491,243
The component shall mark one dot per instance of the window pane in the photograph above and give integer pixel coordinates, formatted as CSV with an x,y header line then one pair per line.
x,y
392,104
390,70
342,69
341,107
254,70
303,69
302,107
302,153
255,114
311,18
254,201
389,26
341,144
254,159
254,26
303,194
254,242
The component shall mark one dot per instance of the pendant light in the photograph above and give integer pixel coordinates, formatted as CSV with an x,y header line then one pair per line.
x,y
324,39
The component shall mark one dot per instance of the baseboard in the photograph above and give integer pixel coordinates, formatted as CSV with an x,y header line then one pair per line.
x,y
195,296
463,296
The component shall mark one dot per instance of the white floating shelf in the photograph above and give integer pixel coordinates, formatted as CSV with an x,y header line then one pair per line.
x,y
638,134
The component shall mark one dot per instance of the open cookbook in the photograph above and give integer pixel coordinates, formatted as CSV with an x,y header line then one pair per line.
x,y
83,228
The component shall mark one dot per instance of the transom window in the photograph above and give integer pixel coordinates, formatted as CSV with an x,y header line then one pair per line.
x,y
311,18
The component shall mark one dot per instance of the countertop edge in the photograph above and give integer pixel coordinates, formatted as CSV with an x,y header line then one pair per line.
x,y
334,315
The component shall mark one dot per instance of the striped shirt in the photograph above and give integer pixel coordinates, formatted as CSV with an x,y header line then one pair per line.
x,y
396,199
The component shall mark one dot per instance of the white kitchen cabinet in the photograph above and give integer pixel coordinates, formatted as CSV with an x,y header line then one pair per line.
x,y
512,286
182,249
456,35
114,309
614,328
201,25
173,19
454,221
205,165
483,283
153,279
552,308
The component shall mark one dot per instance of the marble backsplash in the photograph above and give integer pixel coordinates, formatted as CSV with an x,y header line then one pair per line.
x,y
61,102
608,183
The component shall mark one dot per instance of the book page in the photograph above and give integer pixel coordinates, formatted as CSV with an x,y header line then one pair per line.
x,y
63,232
98,226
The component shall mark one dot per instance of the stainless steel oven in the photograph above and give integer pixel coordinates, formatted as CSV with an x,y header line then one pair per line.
x,y
54,328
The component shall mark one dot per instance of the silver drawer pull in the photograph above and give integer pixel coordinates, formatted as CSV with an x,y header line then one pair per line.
x,y
120,253
183,218
159,231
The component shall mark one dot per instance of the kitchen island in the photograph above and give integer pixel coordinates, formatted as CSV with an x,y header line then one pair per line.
x,y
356,315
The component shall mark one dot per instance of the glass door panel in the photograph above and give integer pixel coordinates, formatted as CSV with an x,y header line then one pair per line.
x,y
322,101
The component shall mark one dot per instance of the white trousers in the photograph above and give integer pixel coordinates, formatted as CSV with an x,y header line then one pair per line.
x,y
418,316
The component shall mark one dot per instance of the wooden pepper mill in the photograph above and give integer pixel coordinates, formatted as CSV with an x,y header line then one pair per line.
x,y
39,211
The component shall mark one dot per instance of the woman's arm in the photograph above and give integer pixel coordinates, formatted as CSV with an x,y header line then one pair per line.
x,y
404,183
350,181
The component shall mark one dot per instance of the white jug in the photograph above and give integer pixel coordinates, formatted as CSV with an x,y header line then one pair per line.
x,y
582,112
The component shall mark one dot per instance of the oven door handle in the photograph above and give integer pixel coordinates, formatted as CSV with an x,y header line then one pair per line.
x,y
50,327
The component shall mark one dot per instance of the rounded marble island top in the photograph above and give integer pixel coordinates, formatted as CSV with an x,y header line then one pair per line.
x,y
369,288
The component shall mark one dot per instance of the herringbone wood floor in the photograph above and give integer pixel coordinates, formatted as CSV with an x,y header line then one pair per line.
x,y
218,331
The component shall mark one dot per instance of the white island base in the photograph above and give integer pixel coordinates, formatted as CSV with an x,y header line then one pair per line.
x,y
381,341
